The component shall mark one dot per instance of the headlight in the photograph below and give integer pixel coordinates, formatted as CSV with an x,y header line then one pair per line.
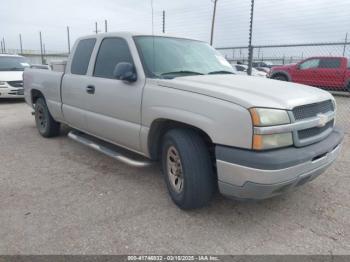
x,y
269,117
263,142
2,83
334,105
263,117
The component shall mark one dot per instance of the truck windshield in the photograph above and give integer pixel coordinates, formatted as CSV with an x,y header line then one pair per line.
x,y
8,63
168,57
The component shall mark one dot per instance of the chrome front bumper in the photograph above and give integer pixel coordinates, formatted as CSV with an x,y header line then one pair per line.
x,y
246,174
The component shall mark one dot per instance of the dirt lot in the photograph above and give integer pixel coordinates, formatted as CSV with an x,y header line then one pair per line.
x,y
57,196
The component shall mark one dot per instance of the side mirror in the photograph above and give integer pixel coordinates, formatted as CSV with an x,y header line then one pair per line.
x,y
125,71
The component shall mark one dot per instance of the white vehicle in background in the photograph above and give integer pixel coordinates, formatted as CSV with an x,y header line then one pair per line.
x,y
243,70
11,75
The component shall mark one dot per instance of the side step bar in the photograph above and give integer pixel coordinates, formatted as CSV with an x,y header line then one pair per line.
x,y
108,149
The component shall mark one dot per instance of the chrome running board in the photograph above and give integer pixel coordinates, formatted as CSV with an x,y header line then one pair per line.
x,y
109,149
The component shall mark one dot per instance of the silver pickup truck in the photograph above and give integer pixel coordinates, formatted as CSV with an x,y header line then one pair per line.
x,y
179,101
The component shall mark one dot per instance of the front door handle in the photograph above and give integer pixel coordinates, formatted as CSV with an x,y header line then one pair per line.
x,y
90,89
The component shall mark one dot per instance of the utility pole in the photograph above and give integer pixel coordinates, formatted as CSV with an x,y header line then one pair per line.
x,y
68,39
106,26
163,21
2,48
96,30
41,48
213,22
250,56
3,44
20,43
346,41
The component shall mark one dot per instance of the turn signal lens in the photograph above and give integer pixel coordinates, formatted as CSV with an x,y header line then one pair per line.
x,y
263,142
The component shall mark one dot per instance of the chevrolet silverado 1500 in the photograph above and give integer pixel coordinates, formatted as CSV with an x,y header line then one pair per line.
x,y
178,100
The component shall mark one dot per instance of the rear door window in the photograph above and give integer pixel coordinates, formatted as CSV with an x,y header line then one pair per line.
x,y
82,55
112,51
312,63
330,63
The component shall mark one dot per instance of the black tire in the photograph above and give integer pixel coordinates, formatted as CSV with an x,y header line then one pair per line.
x,y
348,87
280,77
45,124
197,170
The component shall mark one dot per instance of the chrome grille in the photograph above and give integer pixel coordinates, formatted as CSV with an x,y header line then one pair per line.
x,y
312,110
16,83
314,131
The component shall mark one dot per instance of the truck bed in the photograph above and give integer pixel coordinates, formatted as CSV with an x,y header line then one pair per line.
x,y
49,84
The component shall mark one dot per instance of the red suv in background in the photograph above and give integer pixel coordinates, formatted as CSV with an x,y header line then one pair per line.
x,y
326,72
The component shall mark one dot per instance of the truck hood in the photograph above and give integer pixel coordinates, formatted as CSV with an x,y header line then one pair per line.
x,y
249,91
11,75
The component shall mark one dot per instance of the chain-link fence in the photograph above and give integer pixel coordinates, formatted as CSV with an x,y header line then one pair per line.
x,y
323,65
259,34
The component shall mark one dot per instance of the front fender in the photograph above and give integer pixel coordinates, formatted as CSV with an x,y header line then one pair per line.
x,y
224,122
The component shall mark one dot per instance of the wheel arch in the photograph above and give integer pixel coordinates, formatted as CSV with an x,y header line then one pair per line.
x,y
35,94
347,85
281,73
160,126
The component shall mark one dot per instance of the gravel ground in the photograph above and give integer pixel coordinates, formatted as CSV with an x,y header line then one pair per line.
x,y
59,197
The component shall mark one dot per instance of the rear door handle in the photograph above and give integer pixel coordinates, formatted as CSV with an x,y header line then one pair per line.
x,y
90,89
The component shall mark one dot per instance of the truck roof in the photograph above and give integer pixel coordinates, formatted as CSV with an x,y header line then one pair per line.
x,y
341,57
128,34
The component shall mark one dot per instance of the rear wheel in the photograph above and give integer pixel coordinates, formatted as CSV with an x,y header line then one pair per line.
x,y
280,77
187,168
45,124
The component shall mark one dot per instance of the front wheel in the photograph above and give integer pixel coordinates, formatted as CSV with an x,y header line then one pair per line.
x,y
187,168
45,124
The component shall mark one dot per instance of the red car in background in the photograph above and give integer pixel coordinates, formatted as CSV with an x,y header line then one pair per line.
x,y
332,73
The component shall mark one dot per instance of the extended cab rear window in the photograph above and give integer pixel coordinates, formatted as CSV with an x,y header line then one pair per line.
x,y
82,55
330,63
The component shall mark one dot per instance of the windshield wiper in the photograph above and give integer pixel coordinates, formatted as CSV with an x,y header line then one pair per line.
x,y
220,72
185,72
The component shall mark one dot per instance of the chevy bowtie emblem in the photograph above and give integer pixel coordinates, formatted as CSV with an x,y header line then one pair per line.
x,y
322,120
